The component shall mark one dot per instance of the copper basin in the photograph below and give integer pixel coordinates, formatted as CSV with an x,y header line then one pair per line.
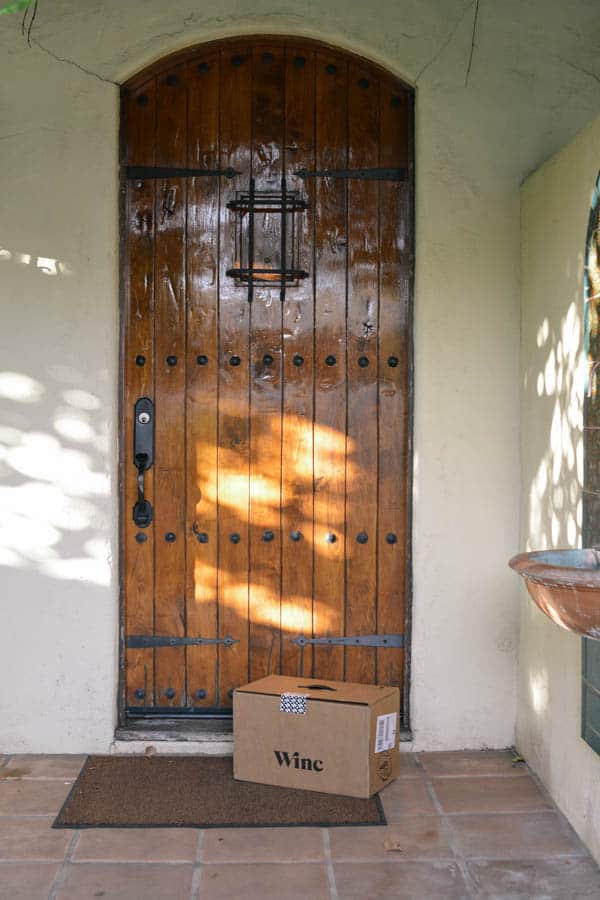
x,y
565,584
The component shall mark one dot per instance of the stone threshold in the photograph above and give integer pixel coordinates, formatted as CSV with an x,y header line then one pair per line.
x,y
206,737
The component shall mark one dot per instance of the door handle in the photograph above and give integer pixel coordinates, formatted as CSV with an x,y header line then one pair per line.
x,y
143,457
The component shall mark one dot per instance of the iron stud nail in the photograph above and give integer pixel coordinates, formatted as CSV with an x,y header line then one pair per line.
x,y
296,535
331,538
140,694
234,361
363,361
202,537
268,57
236,60
202,360
362,537
392,361
140,360
396,101
391,538
299,62
268,536
172,80
171,360
363,83
267,360
230,693
170,536
330,360
170,693
234,538
203,67
142,100
201,694
298,360
330,69
141,538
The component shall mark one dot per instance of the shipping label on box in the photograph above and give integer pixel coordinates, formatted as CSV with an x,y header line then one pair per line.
x,y
329,736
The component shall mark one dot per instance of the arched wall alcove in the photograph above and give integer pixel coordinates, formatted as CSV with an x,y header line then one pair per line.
x,y
279,361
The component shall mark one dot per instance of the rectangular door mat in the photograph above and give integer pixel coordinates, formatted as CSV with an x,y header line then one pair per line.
x,y
197,792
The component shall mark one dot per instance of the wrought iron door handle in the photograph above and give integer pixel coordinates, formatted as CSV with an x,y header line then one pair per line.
x,y
143,456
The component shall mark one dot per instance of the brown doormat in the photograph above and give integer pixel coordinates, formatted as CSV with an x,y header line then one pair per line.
x,y
196,792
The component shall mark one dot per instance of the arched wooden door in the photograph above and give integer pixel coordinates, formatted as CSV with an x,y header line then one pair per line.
x,y
269,453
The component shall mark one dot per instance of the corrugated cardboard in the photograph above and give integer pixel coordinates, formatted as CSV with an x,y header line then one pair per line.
x,y
330,747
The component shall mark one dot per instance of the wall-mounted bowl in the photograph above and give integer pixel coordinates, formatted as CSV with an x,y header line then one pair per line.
x,y
564,584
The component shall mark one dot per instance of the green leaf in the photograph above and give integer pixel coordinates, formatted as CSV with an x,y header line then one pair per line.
x,y
14,7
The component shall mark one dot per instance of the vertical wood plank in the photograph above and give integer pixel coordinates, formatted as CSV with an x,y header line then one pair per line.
x,y
394,352
298,382
202,378
330,381
138,546
169,478
363,289
233,419
265,380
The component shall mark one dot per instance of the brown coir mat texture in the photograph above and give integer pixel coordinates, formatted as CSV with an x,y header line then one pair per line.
x,y
196,792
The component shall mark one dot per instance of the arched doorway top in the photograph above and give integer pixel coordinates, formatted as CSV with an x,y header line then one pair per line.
x,y
189,54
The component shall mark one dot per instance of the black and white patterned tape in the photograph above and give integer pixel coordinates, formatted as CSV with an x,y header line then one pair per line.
x,y
294,703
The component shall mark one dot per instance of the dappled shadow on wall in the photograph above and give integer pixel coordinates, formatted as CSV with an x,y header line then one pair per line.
x,y
53,479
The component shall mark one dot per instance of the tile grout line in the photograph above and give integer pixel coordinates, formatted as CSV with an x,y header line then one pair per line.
x,y
64,867
448,834
197,873
333,893
564,822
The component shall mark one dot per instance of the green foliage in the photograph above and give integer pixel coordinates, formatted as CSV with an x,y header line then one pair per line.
x,y
15,7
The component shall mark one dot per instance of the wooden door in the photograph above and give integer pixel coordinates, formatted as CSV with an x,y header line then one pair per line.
x,y
280,483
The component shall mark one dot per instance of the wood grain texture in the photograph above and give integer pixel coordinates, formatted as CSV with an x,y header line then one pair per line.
x,y
234,424
298,381
297,447
330,381
394,392
268,112
138,346
202,365
169,387
363,328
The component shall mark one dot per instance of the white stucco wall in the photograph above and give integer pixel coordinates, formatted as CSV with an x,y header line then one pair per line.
x,y
555,210
59,266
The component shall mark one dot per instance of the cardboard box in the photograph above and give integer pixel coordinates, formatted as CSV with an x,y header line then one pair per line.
x,y
329,736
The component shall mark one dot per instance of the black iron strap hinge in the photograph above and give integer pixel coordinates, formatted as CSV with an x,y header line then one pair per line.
x,y
143,172
363,640
141,641
361,174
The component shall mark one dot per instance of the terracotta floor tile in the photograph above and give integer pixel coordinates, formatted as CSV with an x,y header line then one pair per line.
x,y
399,881
410,766
26,881
32,839
26,766
262,844
123,881
546,879
24,798
519,836
475,762
137,845
406,797
413,837
493,794
264,881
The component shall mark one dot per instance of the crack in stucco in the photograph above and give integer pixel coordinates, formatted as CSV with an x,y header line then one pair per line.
x,y
579,69
447,40
71,62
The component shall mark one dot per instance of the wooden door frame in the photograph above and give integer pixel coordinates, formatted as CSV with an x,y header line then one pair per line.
x,y
156,68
